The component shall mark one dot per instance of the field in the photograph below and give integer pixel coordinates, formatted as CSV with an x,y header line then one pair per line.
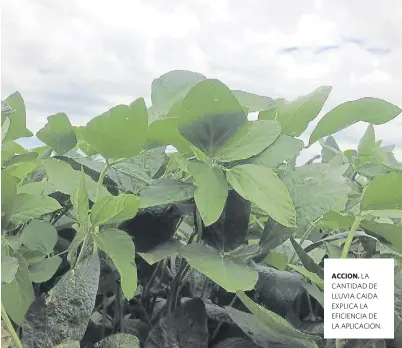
x,y
110,241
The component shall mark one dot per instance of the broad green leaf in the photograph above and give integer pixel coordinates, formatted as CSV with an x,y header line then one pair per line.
x,y
170,88
267,328
80,201
367,142
31,256
44,270
390,233
4,128
250,140
329,150
306,259
210,115
21,170
82,144
39,235
166,132
119,340
262,186
120,248
253,102
58,134
17,128
211,192
162,251
18,295
284,148
63,314
65,179
8,196
295,116
371,110
9,268
25,157
9,149
314,277
227,272
114,209
315,189
274,234
27,207
277,260
120,132
42,188
165,191
383,192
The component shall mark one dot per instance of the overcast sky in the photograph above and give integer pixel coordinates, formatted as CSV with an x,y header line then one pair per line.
x,y
84,56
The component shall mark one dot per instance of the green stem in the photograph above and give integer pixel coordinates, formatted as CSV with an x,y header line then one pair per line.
x,y
10,327
83,249
350,237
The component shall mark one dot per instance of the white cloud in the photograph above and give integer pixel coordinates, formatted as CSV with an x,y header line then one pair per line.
x,y
83,57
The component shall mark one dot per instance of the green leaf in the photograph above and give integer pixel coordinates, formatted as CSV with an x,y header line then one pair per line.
x,y
165,191
277,260
58,134
284,148
27,207
17,128
372,110
42,188
39,235
253,102
4,128
306,259
314,277
169,89
8,196
315,189
211,192
21,170
329,149
43,271
296,115
390,233
63,314
367,142
267,328
65,179
120,248
18,295
250,140
166,132
262,186
210,115
162,251
383,192
114,209
120,132
9,149
9,268
80,201
119,340
227,272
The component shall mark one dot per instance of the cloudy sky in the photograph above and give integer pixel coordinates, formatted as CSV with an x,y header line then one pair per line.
x,y
83,57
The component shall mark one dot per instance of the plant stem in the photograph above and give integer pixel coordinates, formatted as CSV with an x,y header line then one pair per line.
x,y
350,237
10,327
83,249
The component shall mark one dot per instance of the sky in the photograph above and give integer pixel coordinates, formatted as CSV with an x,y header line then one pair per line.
x,y
84,57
